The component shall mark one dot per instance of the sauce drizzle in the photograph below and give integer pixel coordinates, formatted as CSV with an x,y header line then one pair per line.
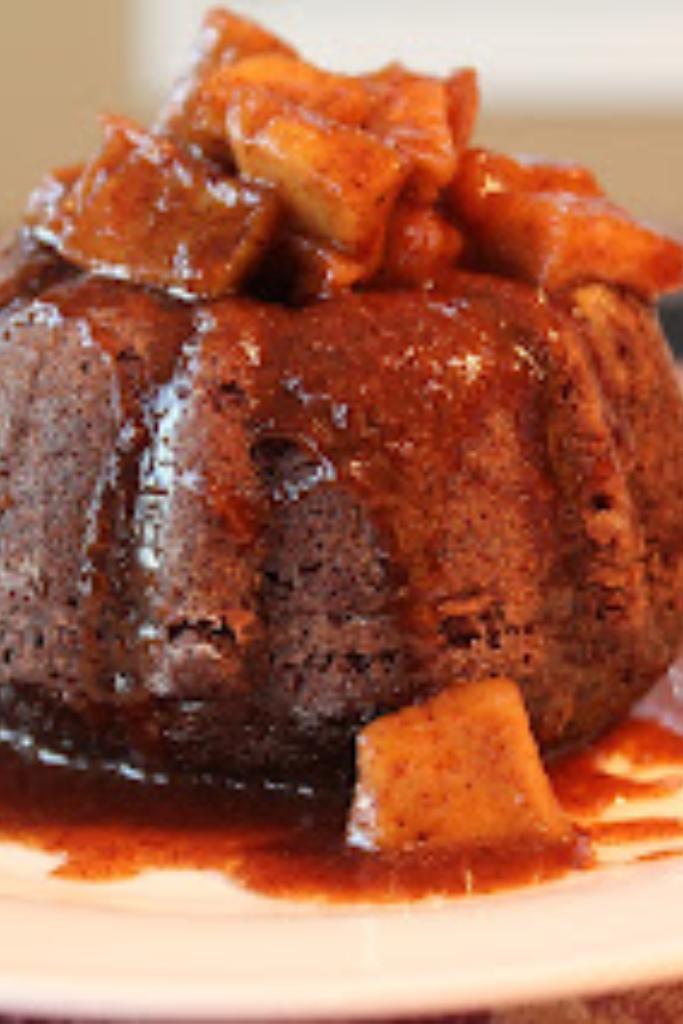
x,y
289,843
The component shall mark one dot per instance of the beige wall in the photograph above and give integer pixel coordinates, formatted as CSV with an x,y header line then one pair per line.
x,y
61,61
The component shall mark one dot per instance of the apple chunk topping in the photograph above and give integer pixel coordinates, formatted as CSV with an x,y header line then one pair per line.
x,y
554,227
267,175
144,210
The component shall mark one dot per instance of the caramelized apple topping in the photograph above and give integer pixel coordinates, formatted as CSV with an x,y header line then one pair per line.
x,y
225,39
553,226
312,166
144,210
411,113
265,168
462,770
280,79
421,245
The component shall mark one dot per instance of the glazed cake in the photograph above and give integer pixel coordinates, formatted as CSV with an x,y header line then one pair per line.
x,y
309,411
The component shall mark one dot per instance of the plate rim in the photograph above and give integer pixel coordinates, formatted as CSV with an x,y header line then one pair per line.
x,y
363,985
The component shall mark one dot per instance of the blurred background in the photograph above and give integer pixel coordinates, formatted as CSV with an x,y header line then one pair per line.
x,y
600,81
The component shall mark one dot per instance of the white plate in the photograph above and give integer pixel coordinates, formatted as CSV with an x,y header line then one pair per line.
x,y
174,947
189,946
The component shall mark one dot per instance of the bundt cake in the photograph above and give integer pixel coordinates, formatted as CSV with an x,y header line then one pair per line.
x,y
308,411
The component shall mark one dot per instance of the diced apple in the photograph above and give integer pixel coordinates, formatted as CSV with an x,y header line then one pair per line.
x,y
462,91
484,174
552,227
572,179
411,112
225,38
273,79
319,270
49,202
336,183
171,220
335,97
421,247
461,770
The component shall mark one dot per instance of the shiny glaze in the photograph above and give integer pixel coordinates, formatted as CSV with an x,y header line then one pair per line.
x,y
389,394
641,760
587,787
289,842
276,841
390,415
146,211
389,420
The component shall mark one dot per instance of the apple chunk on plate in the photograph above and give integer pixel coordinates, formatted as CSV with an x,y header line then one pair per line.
x,y
461,770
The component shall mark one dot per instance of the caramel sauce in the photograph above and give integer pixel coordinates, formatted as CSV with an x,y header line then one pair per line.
x,y
643,830
276,841
601,778
391,398
586,787
290,843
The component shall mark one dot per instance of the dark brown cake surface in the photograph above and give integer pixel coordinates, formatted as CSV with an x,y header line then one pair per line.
x,y
233,534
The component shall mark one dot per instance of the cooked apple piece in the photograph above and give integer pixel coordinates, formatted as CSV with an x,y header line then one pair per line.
x,y
462,89
335,97
421,247
571,179
275,78
484,174
411,112
225,38
298,269
171,221
336,183
462,770
320,271
551,226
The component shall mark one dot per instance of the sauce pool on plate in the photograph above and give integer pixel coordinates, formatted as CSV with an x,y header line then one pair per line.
x,y
290,843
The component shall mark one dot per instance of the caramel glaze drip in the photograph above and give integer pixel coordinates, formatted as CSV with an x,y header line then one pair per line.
x,y
608,776
586,787
386,413
437,412
446,416
390,414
